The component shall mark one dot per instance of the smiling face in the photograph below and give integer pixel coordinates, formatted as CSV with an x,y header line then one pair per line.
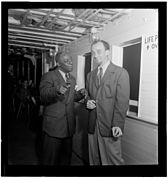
x,y
65,63
99,53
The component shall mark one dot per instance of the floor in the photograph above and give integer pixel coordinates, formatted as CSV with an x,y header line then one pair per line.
x,y
24,144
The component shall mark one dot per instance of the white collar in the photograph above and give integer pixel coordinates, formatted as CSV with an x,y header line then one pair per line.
x,y
104,67
63,74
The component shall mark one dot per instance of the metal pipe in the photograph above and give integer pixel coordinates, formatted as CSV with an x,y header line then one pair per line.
x,y
38,37
76,34
24,45
39,33
33,39
21,41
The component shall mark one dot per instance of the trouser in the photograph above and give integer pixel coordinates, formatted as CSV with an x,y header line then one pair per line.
x,y
56,151
104,150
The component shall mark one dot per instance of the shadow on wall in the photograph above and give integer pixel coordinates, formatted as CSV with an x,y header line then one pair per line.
x,y
80,140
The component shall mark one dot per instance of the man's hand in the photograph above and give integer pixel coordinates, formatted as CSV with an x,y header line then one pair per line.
x,y
84,92
63,90
116,131
91,104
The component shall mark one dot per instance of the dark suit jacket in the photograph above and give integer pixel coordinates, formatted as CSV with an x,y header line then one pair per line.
x,y
58,114
112,99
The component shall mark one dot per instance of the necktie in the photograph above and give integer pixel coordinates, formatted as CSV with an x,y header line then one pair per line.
x,y
67,80
100,74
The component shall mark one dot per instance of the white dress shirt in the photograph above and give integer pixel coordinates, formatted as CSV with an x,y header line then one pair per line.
x,y
104,67
63,75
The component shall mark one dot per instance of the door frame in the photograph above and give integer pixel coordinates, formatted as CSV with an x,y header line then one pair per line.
x,y
133,102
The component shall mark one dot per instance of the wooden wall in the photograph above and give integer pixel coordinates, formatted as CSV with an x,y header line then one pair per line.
x,y
140,142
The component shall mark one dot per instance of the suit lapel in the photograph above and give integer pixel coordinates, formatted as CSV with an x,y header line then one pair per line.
x,y
110,69
63,83
60,77
95,79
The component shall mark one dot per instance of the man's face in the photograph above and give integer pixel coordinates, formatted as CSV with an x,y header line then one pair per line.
x,y
65,63
99,53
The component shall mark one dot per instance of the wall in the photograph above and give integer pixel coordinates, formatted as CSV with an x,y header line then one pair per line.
x,y
140,143
76,48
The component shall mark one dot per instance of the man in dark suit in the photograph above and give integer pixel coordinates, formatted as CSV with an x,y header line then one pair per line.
x,y
57,93
108,90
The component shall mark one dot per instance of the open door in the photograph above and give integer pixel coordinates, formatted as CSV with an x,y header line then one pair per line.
x,y
128,57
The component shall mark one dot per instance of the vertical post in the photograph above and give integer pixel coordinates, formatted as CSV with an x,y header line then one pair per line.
x,y
23,68
28,72
42,62
17,69
45,65
35,71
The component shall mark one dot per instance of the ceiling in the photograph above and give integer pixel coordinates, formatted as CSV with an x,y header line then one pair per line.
x,y
43,29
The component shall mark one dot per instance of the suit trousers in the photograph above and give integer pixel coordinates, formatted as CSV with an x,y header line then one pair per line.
x,y
56,151
104,150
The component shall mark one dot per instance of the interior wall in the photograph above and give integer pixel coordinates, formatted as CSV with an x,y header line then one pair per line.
x,y
77,48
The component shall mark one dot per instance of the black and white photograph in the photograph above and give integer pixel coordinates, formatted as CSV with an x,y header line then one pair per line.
x,y
82,89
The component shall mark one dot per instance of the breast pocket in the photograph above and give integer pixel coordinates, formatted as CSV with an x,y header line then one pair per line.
x,y
108,90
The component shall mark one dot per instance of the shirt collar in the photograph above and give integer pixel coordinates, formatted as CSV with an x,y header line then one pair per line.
x,y
63,74
104,66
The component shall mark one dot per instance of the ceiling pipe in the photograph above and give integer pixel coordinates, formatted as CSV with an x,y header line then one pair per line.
x,y
34,39
38,37
56,32
30,46
39,33
24,42
21,41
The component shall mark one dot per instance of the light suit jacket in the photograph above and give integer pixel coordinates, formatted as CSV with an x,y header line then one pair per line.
x,y
112,99
58,114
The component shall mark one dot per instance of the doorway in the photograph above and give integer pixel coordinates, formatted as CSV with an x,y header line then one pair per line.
x,y
131,62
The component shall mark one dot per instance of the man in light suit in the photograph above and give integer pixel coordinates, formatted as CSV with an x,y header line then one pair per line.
x,y
108,90
57,93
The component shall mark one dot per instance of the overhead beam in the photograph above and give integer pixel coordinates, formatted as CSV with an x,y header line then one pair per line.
x,y
45,18
75,20
61,17
55,18
90,16
25,16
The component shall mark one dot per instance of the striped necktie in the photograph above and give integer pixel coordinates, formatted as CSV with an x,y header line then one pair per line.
x,y
100,74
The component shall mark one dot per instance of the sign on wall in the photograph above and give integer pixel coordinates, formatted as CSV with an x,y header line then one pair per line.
x,y
148,95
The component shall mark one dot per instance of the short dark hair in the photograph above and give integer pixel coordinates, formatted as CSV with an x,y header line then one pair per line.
x,y
106,44
59,55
